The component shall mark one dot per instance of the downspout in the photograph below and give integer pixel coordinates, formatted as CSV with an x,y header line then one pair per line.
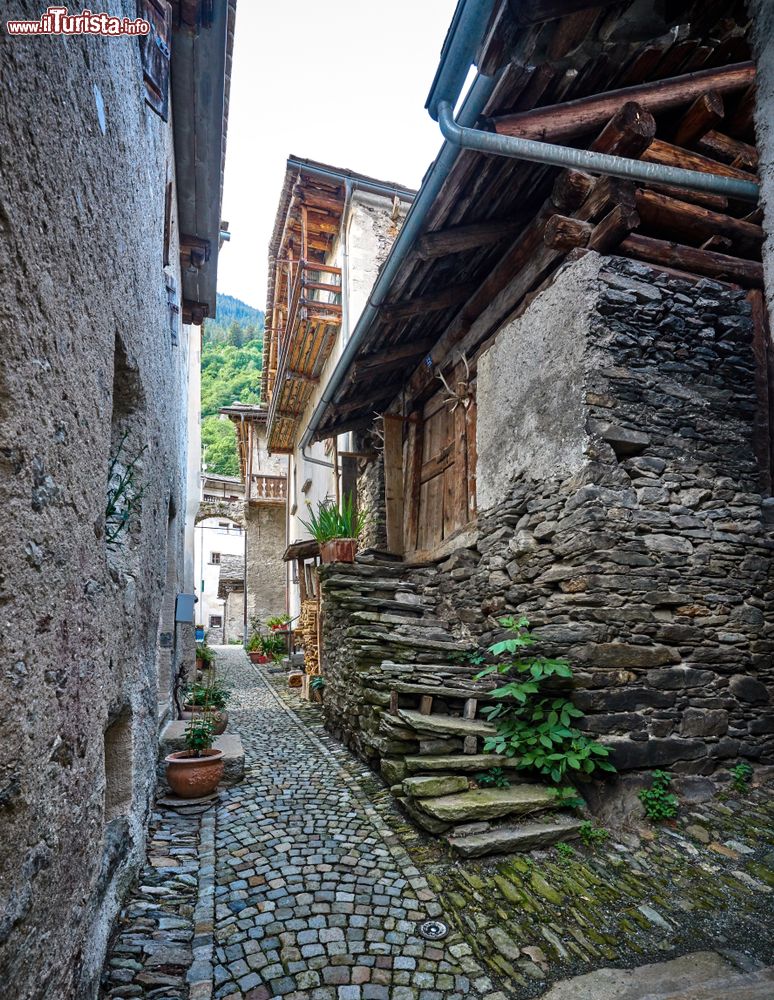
x,y
586,159
413,226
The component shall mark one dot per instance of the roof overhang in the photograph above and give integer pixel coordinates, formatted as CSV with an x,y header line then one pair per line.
x,y
202,46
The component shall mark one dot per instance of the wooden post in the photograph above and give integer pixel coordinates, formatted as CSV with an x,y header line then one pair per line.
x,y
393,481
393,702
426,704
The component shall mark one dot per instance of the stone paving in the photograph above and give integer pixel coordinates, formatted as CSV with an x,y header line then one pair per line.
x,y
314,897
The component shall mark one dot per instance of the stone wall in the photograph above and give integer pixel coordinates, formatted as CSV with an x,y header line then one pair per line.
x,y
234,616
370,495
641,550
87,358
266,572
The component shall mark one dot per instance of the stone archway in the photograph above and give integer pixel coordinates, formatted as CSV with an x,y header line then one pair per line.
x,y
222,508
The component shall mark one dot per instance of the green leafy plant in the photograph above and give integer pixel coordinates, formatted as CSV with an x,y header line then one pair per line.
x,y
278,621
317,683
124,496
268,645
534,726
741,775
592,835
199,735
213,695
495,776
565,851
659,802
328,522
204,653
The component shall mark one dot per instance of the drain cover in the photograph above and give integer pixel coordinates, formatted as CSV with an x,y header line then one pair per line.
x,y
433,930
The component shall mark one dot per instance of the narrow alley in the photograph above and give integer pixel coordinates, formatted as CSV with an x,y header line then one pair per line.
x,y
312,894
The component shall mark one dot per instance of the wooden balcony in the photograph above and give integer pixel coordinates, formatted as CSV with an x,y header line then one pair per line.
x,y
268,489
314,319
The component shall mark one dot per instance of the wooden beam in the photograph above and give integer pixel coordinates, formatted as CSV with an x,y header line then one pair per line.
x,y
393,481
391,357
613,228
537,11
741,120
565,233
574,118
734,151
683,258
628,133
703,115
675,156
459,238
446,298
693,223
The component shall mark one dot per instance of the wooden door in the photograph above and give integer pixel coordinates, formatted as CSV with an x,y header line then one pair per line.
x,y
443,462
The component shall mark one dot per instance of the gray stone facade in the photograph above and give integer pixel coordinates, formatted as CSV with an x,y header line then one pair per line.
x,y
638,543
92,361
266,572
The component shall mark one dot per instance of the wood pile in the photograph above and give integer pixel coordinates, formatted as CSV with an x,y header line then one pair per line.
x,y
307,628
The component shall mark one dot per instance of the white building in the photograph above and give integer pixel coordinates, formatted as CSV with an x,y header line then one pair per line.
x,y
216,537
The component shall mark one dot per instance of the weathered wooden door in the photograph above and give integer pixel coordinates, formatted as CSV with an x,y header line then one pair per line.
x,y
444,491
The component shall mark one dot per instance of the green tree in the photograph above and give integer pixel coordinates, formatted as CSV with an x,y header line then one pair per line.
x,y
236,337
219,447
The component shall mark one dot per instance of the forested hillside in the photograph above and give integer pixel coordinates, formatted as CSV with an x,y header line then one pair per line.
x,y
231,373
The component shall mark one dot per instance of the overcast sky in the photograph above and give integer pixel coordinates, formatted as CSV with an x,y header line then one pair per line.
x,y
344,82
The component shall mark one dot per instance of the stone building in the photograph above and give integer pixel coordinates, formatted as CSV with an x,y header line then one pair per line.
x,y
573,377
265,511
333,230
109,231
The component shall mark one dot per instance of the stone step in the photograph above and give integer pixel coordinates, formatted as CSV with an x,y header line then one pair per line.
x,y
468,763
489,803
517,837
446,725
432,786
436,690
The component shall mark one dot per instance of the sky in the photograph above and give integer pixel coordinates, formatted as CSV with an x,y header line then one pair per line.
x,y
344,82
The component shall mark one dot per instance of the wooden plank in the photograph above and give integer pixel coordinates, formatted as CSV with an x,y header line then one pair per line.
x,y
574,118
369,363
628,133
445,298
456,239
412,484
471,457
426,704
615,226
693,223
571,30
675,255
536,11
562,232
393,480
393,702
703,115
741,121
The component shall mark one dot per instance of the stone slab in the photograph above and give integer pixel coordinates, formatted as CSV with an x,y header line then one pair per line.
x,y
432,786
469,763
679,979
490,803
508,839
446,725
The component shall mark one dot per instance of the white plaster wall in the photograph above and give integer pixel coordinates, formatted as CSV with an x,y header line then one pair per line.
x,y
208,538
530,387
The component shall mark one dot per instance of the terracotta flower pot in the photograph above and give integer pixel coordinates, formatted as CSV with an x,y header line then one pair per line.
x,y
338,550
219,716
192,777
256,657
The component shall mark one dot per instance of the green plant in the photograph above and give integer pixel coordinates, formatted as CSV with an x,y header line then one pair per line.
x,y
494,776
328,522
659,802
268,645
533,726
199,735
741,776
123,496
592,835
203,652
317,683
278,621
565,851
213,695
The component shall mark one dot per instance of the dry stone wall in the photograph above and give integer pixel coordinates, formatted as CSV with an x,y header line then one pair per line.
x,y
645,558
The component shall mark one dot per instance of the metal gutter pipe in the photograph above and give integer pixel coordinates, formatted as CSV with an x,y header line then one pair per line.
x,y
412,228
585,159
459,52
378,187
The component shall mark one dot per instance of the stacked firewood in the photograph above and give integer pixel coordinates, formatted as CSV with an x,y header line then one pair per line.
x,y
307,626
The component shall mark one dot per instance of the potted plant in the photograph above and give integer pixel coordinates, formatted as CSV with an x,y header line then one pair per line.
x,y
336,530
204,656
195,771
316,688
264,648
208,701
278,622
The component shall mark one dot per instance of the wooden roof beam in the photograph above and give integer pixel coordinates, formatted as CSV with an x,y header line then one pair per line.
x,y
446,298
574,118
456,239
380,360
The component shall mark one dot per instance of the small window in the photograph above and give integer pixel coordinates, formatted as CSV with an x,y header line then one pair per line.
x,y
155,52
214,558
216,621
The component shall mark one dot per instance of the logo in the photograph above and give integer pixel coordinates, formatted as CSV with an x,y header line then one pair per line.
x,y
59,21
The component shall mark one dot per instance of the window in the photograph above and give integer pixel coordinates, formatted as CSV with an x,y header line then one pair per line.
x,y
155,52
216,621
214,558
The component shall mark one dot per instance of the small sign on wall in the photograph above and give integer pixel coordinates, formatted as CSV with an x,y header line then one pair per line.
x,y
184,608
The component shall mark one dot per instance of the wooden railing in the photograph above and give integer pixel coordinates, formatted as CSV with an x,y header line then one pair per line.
x,y
271,489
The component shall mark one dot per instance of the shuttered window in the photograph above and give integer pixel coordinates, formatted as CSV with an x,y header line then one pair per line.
x,y
155,53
